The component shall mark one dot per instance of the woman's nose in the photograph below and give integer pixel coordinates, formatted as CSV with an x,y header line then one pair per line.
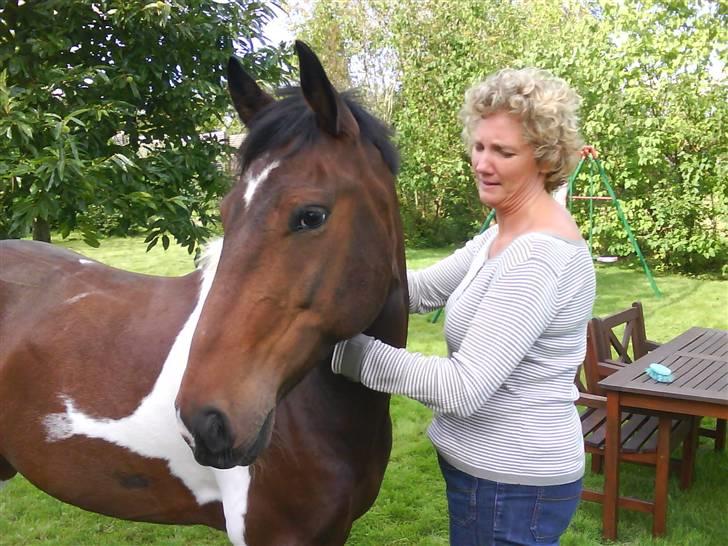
x,y
482,162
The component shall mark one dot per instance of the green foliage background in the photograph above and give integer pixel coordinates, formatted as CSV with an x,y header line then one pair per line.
x,y
651,74
104,106
103,111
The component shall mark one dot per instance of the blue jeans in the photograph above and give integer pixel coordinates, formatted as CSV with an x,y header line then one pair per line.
x,y
486,513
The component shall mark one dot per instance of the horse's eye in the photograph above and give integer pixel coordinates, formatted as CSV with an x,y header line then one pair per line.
x,y
309,217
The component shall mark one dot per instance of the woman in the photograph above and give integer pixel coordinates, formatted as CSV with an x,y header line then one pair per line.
x,y
518,298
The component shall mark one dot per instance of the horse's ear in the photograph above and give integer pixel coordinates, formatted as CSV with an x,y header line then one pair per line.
x,y
332,114
248,97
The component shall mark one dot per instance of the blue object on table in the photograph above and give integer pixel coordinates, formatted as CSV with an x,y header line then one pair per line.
x,y
660,373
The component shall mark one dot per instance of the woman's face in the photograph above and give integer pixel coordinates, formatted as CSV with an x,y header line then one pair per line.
x,y
505,168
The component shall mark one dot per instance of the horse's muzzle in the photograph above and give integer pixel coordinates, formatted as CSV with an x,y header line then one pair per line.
x,y
214,441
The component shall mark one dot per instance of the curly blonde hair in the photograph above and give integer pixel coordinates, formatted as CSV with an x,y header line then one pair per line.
x,y
547,108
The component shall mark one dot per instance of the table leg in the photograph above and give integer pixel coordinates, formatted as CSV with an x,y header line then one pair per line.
x,y
690,447
662,474
720,427
611,467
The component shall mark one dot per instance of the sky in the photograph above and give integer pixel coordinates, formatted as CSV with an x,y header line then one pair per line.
x,y
278,29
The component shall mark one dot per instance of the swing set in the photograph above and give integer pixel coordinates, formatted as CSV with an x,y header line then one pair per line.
x,y
596,167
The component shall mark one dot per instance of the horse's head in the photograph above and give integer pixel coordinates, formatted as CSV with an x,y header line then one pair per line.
x,y
312,251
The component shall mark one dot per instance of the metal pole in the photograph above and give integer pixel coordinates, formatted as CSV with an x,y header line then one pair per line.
x,y
630,236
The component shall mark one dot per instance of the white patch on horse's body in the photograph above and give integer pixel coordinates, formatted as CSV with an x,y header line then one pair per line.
x,y
234,484
153,429
59,426
78,297
84,261
186,434
252,182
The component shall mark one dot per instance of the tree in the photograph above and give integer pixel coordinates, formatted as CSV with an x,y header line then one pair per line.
x,y
443,47
671,113
354,41
425,54
655,102
105,108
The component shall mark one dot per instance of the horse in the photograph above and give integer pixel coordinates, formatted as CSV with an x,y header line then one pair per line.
x,y
208,398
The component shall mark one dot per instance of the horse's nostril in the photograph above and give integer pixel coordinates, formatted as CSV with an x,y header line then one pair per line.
x,y
211,429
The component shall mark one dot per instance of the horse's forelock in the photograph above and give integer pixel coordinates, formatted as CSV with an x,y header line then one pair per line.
x,y
289,122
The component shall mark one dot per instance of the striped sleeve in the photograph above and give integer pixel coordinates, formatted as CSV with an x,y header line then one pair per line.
x,y
430,288
518,306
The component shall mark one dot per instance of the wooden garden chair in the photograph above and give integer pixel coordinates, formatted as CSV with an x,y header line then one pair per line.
x,y
638,430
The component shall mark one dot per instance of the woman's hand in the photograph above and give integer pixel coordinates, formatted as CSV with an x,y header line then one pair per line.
x,y
589,151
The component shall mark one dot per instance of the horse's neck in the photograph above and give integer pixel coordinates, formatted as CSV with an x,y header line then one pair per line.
x,y
390,326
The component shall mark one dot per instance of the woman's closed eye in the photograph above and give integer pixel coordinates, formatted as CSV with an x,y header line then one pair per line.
x,y
504,152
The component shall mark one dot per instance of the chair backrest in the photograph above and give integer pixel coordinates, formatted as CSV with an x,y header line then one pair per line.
x,y
590,366
630,345
612,342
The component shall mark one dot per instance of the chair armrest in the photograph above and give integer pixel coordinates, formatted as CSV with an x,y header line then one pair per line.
x,y
591,400
608,367
651,345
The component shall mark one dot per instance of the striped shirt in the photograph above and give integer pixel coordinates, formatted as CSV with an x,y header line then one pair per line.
x,y
503,398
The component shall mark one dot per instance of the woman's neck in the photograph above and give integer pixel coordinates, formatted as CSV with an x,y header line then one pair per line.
x,y
520,216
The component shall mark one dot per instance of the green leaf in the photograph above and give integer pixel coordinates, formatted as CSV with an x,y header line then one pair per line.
x,y
76,121
91,240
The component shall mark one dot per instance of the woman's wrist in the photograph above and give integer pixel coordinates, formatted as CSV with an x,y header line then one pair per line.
x,y
348,356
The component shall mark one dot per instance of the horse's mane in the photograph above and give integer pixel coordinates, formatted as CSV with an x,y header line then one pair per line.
x,y
290,120
210,256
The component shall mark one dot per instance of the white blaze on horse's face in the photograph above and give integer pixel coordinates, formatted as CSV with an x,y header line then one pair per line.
x,y
253,181
152,429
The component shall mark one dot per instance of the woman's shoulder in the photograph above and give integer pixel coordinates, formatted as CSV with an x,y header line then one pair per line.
x,y
558,222
557,251
554,239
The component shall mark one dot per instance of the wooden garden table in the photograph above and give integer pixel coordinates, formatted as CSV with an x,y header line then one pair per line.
x,y
698,359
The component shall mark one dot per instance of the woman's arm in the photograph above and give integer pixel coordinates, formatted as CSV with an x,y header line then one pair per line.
x,y
430,288
519,305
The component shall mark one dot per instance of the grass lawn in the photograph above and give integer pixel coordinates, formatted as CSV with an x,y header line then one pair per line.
x,y
411,507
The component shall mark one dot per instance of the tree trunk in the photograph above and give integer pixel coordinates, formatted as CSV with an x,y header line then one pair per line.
x,y
41,230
